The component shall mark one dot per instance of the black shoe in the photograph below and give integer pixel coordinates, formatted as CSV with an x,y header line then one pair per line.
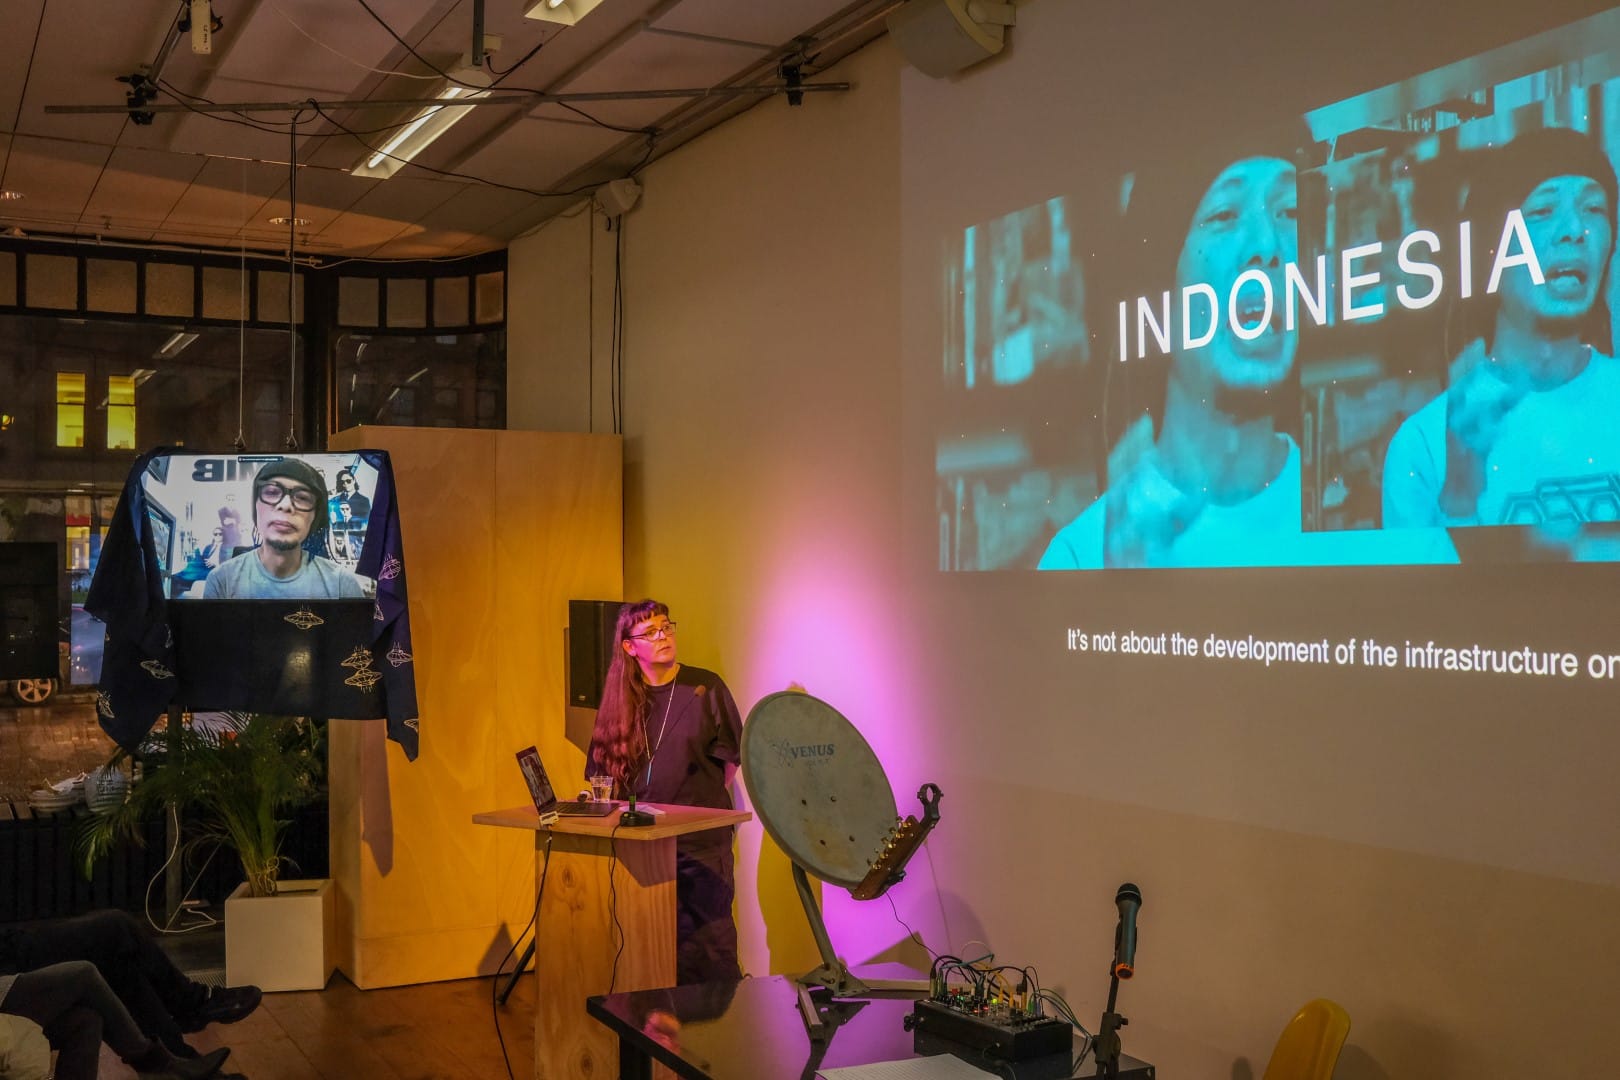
x,y
198,1068
181,1049
225,1005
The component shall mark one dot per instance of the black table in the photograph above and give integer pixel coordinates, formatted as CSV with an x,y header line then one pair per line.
x,y
752,1030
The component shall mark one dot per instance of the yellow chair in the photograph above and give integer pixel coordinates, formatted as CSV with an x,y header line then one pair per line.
x,y
1310,1044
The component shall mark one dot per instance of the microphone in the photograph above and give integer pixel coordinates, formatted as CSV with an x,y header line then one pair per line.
x,y
1129,901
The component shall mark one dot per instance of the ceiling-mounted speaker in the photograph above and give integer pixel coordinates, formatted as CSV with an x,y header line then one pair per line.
x,y
617,196
942,37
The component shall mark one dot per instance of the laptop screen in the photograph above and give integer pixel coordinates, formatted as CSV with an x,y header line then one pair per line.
x,y
534,773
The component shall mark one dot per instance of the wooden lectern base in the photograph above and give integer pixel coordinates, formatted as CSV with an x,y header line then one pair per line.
x,y
599,870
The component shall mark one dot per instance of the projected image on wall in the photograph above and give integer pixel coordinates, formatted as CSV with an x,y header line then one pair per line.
x,y
1017,342
1381,336
258,527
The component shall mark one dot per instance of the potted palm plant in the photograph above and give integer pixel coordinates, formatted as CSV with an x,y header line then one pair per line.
x,y
234,788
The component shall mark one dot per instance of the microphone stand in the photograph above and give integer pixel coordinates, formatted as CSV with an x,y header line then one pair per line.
x,y
1107,1041
633,818
1107,1044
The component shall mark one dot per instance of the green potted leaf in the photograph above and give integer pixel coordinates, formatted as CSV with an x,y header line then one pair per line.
x,y
234,788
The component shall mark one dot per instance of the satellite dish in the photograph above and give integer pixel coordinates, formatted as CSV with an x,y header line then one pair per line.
x,y
816,785
822,795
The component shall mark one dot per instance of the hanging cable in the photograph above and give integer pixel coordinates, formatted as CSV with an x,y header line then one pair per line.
x,y
613,335
184,99
590,318
499,74
431,66
618,321
271,4
558,194
241,332
649,131
441,73
292,279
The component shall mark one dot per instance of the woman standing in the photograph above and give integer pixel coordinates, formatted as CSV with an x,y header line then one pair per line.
x,y
668,732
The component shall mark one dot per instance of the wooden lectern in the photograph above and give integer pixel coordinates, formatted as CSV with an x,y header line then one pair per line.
x,y
599,869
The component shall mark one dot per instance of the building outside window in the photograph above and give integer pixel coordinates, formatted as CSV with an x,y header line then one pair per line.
x,y
102,391
70,408
121,408
86,396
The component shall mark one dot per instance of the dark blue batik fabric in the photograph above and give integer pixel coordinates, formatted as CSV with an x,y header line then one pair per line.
x,y
385,562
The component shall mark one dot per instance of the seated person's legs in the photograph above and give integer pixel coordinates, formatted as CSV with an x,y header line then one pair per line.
x,y
159,995
75,1035
57,996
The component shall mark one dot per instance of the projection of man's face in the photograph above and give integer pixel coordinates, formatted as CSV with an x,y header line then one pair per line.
x,y
1567,218
282,526
1245,221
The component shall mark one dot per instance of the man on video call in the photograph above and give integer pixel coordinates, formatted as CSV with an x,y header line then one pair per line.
x,y
289,504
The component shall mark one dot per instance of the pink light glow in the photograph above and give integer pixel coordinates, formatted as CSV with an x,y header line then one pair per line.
x,y
831,626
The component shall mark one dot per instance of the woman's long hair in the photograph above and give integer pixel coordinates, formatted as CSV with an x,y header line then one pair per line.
x,y
620,734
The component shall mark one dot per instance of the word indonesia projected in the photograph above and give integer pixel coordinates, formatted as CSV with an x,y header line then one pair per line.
x,y
1382,336
1249,316
1472,658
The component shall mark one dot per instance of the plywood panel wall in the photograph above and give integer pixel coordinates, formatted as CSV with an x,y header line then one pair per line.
x,y
501,530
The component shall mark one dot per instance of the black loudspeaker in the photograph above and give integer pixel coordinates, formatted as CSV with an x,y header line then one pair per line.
x,y
28,603
590,648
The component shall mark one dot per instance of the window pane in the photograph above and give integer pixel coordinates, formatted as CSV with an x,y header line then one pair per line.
x,y
443,380
121,412
78,547
171,290
450,298
69,408
357,301
407,302
127,387
491,297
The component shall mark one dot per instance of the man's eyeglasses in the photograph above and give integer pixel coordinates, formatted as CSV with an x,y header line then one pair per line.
x,y
302,497
653,633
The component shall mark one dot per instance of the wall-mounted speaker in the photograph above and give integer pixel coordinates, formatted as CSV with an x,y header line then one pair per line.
x,y
590,648
28,609
616,197
942,37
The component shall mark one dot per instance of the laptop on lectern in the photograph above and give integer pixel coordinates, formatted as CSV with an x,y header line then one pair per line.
x,y
545,799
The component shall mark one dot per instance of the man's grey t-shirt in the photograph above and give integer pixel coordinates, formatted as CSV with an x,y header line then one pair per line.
x,y
245,578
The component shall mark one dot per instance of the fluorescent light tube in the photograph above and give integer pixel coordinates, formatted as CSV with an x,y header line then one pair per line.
x,y
175,345
423,128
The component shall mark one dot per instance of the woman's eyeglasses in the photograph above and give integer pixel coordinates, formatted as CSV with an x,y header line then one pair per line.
x,y
653,633
302,498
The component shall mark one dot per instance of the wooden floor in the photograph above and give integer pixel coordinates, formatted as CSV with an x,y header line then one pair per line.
x,y
437,1031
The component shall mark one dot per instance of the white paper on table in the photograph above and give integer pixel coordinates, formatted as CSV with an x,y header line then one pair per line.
x,y
940,1067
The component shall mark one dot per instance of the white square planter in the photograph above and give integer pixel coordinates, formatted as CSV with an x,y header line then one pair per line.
x,y
281,942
